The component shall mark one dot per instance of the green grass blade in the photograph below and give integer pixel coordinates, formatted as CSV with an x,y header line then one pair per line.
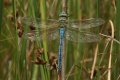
x,y
1,14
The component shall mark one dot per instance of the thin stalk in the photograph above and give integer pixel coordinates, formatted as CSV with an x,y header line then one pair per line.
x,y
35,72
109,64
111,38
97,9
44,72
30,47
116,48
1,12
16,57
63,60
64,6
94,62
105,48
77,46
110,51
117,22
78,9
69,73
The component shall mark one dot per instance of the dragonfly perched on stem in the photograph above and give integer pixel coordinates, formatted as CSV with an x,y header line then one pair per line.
x,y
74,29
63,29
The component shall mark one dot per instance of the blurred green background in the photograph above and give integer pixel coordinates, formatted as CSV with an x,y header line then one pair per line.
x,y
16,52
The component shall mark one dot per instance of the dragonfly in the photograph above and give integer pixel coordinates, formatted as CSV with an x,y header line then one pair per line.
x,y
64,29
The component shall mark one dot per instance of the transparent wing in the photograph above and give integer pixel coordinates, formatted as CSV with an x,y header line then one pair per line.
x,y
38,23
84,24
39,36
81,36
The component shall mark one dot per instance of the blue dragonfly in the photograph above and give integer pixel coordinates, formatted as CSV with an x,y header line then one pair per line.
x,y
64,29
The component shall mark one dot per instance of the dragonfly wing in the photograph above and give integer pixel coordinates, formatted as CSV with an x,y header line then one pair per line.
x,y
81,36
38,23
84,24
39,36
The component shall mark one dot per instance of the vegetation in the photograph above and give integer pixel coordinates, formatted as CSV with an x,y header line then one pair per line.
x,y
22,59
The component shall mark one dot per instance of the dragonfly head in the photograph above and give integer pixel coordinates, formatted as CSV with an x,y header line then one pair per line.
x,y
63,14
63,17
